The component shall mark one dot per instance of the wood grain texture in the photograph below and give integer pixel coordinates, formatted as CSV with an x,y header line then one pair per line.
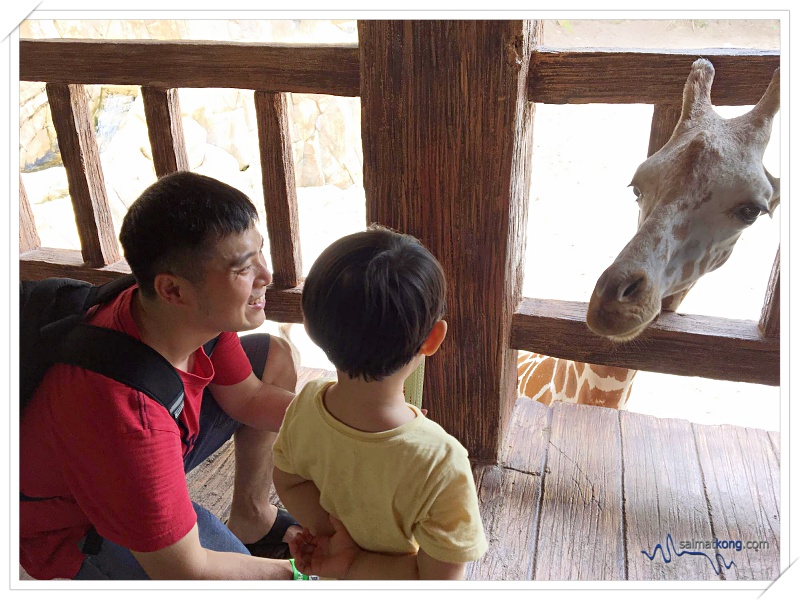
x,y
162,112
527,439
453,172
280,194
28,236
742,478
677,344
625,76
775,438
513,490
284,306
665,117
664,495
317,69
770,321
504,495
54,262
74,127
580,535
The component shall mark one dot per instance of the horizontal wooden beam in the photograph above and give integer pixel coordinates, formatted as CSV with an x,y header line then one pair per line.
x,y
52,262
688,345
625,76
317,69
557,75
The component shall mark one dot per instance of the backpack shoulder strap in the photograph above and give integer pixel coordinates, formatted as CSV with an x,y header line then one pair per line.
x,y
107,291
209,345
119,356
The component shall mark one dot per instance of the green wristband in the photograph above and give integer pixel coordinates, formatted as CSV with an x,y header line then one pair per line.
x,y
297,575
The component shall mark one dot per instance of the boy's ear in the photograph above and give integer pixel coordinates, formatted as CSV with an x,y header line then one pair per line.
x,y
435,339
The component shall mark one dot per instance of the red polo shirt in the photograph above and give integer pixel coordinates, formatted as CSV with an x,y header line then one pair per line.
x,y
109,456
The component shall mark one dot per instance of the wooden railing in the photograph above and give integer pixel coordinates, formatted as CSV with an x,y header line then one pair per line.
x,y
686,345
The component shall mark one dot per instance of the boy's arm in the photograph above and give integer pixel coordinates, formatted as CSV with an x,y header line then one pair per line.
x,y
339,557
369,565
430,568
301,498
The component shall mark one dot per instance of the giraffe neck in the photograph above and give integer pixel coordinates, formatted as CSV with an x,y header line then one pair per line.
x,y
547,380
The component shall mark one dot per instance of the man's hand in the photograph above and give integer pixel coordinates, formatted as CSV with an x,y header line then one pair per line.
x,y
325,556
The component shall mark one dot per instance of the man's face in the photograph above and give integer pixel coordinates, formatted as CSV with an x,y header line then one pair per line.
x,y
231,295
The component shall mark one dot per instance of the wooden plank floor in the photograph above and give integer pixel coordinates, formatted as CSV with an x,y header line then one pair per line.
x,y
588,493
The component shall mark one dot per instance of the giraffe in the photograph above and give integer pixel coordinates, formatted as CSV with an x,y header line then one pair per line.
x,y
696,195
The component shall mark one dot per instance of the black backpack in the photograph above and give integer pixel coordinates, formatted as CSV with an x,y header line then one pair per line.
x,y
52,330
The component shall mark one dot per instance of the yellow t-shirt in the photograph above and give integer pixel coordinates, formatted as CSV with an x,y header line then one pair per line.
x,y
395,491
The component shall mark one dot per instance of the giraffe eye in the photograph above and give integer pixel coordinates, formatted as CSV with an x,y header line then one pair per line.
x,y
636,192
748,213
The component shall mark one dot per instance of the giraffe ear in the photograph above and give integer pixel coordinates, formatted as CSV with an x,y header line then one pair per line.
x,y
775,182
697,90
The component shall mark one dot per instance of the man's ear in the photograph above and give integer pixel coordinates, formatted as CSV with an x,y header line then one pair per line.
x,y
435,339
170,288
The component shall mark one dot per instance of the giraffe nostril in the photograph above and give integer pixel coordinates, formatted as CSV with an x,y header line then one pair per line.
x,y
629,289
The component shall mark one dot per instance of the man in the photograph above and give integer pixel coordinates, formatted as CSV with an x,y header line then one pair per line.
x,y
102,466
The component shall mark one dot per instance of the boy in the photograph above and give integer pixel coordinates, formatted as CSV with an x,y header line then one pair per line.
x,y
352,459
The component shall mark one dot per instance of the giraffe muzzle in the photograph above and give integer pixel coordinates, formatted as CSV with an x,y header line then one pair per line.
x,y
623,303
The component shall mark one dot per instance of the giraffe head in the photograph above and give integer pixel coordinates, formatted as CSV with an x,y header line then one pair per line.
x,y
696,195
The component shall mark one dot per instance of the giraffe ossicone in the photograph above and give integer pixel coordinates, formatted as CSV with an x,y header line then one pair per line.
x,y
696,195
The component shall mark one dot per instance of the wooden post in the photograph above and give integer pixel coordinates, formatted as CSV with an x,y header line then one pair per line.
x,y
770,321
665,118
446,131
28,236
72,120
162,111
280,193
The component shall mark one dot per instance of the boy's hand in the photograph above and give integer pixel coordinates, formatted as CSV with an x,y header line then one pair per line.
x,y
325,556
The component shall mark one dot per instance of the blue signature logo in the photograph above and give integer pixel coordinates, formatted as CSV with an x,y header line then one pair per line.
x,y
670,547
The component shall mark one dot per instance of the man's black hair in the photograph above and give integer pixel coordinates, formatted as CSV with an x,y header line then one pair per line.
x,y
177,221
371,299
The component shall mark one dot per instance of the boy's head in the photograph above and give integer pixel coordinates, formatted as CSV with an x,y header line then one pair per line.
x,y
174,226
370,301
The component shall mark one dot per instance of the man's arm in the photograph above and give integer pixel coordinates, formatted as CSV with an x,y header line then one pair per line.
x,y
301,498
187,559
253,402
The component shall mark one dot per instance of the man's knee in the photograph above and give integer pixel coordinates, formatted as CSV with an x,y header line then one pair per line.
x,y
281,369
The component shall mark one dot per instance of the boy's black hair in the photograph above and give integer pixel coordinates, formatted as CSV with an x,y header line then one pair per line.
x,y
371,299
176,222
